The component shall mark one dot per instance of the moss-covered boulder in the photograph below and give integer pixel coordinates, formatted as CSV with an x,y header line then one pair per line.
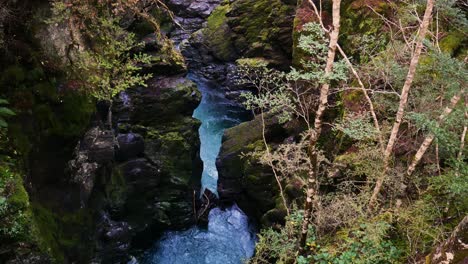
x,y
242,179
247,28
262,29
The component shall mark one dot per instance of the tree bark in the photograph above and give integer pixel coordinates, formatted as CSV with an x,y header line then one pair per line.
x,y
403,101
454,249
463,136
428,140
109,115
323,102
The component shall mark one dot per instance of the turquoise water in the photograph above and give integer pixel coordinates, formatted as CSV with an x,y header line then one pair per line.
x,y
229,238
216,114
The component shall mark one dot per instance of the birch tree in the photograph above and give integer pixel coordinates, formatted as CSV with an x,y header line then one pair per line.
x,y
429,138
403,101
317,127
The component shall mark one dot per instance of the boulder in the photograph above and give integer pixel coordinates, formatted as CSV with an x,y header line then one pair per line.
x,y
165,99
114,240
243,180
98,144
247,28
95,151
193,8
131,145
141,173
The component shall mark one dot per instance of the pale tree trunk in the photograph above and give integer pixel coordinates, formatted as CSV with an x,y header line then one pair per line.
x,y
323,102
403,101
453,250
109,115
428,140
463,136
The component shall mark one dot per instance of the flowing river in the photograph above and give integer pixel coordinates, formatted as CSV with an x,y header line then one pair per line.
x,y
229,239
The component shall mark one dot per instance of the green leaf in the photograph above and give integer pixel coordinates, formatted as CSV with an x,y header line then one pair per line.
x,y
3,124
6,111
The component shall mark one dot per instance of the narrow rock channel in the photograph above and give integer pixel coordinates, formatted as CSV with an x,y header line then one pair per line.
x,y
229,238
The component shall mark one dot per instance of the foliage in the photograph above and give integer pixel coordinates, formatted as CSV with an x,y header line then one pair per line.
x,y
357,127
291,95
14,206
4,113
366,244
278,246
315,45
109,65
111,69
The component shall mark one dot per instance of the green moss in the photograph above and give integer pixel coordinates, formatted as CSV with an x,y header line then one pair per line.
x,y
142,28
452,42
17,225
116,189
73,115
61,232
19,199
46,91
48,231
218,17
253,62
20,139
218,34
261,19
362,29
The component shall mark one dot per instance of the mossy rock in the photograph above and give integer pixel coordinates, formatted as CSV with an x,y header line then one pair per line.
x,y
262,28
63,235
217,34
453,42
273,217
116,190
247,28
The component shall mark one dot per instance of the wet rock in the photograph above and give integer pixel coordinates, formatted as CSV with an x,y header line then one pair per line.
x,y
94,152
246,28
152,43
140,172
98,145
151,188
131,145
161,63
193,8
114,240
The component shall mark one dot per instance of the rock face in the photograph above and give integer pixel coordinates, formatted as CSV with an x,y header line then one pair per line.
x,y
95,151
193,8
245,28
143,179
233,30
242,179
130,145
151,187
